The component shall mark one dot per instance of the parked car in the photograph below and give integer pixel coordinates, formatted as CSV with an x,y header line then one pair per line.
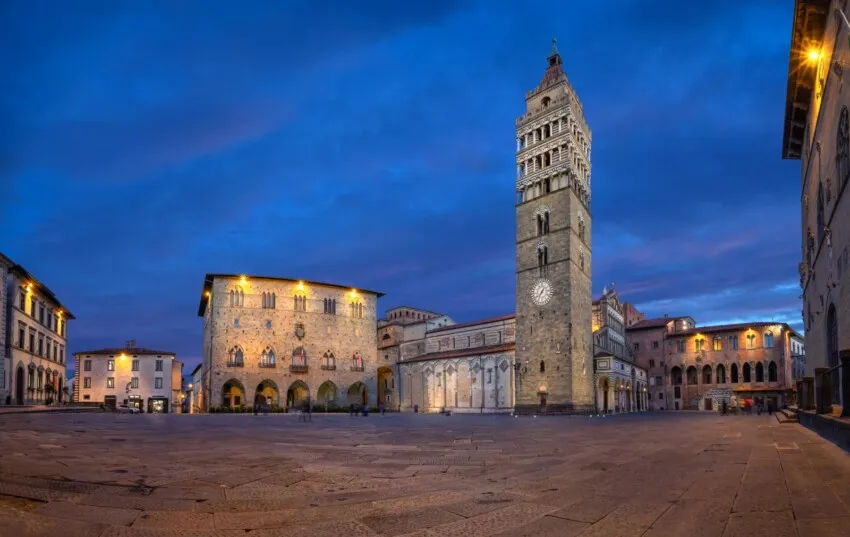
x,y
127,409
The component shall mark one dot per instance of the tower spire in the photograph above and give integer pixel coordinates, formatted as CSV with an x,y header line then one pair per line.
x,y
554,51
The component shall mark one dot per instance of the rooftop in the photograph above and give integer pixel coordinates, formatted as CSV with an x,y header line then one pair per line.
x,y
209,278
734,327
43,289
810,17
131,351
460,353
658,322
473,323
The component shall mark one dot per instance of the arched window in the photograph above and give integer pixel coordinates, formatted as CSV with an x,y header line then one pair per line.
x,y
706,374
357,310
356,362
273,301
329,361
748,377
300,303
699,344
676,376
237,357
232,298
759,372
842,150
832,352
768,340
692,376
542,258
733,373
721,374
267,359
771,371
265,301
299,356
821,215
717,343
581,227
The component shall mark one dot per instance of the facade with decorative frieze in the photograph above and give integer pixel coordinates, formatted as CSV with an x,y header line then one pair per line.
x,y
553,249
285,342
35,335
466,368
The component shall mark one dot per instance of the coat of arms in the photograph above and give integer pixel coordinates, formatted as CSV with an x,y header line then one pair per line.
x,y
299,330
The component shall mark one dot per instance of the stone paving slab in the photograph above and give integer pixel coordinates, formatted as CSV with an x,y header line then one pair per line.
x,y
660,474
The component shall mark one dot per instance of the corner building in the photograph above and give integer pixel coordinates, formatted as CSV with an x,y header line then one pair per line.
x,y
553,256
817,133
284,341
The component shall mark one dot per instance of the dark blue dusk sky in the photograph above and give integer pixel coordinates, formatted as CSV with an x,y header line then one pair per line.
x,y
372,143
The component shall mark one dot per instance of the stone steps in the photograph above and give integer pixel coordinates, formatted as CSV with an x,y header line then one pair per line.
x,y
784,415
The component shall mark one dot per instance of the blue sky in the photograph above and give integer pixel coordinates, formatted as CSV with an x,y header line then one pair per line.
x,y
371,143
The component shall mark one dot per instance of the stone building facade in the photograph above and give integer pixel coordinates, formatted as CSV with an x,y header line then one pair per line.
x,y
700,368
817,132
288,341
35,341
647,340
553,247
129,375
466,368
401,335
621,386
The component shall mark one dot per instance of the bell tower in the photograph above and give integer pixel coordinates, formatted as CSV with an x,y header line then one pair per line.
x,y
553,256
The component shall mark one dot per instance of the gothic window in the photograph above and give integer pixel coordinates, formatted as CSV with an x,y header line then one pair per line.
x,y
821,216
329,360
542,366
267,359
357,361
733,342
759,372
747,373
706,374
237,357
692,376
721,374
842,150
300,303
717,343
356,310
751,342
699,344
771,371
733,373
299,356
768,340
676,376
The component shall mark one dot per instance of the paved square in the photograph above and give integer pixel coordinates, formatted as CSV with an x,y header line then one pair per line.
x,y
660,474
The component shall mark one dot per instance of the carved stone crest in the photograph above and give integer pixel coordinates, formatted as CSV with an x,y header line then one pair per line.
x,y
299,330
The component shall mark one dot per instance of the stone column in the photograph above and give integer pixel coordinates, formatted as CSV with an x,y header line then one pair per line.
x,y
809,391
844,356
192,400
823,404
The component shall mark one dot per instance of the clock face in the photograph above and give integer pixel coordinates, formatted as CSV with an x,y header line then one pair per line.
x,y
541,292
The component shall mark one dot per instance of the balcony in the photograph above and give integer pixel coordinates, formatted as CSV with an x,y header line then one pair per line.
x,y
357,368
298,368
328,367
235,364
268,365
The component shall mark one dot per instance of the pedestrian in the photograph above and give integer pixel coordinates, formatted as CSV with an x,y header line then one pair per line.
x,y
382,409
351,412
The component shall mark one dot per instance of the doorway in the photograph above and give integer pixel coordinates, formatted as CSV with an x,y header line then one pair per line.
x,y
19,386
708,403
543,403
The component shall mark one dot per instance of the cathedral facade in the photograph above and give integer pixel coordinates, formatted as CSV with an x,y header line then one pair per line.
x,y
553,250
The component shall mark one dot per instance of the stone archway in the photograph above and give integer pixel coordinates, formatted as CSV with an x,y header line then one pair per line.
x,y
297,394
386,385
267,389
327,393
358,394
19,385
232,394
602,391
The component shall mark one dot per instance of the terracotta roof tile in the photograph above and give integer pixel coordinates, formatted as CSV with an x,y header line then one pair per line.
x,y
125,350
